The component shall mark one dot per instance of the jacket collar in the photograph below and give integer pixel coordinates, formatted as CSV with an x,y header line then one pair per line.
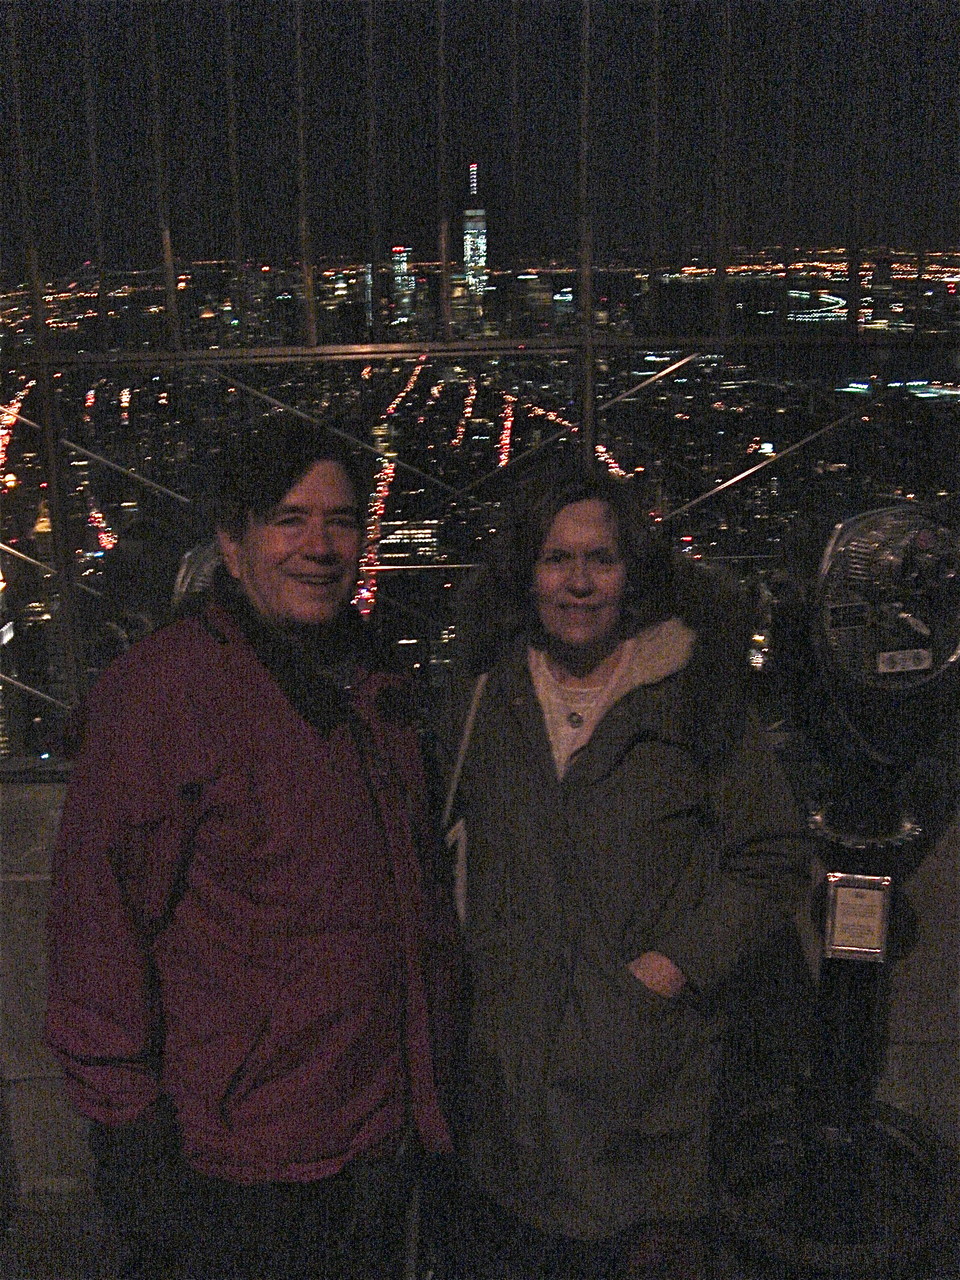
x,y
317,671
682,700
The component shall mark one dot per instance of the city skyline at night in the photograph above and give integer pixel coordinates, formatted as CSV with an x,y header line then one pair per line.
x,y
709,125
539,209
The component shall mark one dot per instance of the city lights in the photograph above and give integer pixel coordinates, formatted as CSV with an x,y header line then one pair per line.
x,y
465,416
506,432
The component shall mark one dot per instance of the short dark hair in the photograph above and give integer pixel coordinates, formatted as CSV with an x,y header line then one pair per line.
x,y
256,472
501,596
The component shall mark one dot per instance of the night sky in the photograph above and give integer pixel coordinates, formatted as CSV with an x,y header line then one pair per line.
x,y
844,122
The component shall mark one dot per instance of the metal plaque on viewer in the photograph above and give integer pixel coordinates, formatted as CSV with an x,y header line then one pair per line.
x,y
858,908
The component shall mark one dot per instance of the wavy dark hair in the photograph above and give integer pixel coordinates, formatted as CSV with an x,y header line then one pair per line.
x,y
257,472
498,606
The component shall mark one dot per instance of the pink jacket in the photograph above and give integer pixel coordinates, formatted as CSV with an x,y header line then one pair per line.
x,y
244,892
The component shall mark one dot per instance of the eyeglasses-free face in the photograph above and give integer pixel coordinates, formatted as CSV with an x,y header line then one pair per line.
x,y
580,578
299,564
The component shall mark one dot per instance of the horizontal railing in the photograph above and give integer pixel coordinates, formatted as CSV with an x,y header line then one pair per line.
x,y
476,357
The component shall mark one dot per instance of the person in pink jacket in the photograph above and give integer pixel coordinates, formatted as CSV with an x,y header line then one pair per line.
x,y
248,955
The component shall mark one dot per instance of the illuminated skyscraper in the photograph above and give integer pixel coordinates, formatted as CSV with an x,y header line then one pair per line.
x,y
475,241
368,274
404,283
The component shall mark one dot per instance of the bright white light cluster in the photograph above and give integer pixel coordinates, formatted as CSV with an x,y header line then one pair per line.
x,y
607,458
105,535
467,414
366,592
396,402
8,418
535,411
506,430
367,588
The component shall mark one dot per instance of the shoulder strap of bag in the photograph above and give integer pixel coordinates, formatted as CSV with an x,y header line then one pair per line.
x,y
464,744
456,836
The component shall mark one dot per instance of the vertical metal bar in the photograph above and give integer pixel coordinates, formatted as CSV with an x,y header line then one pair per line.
x,y
96,195
722,175
789,190
931,57
585,220
303,221
443,178
233,146
854,237
654,150
513,56
233,160
62,557
373,227
854,292
789,232
161,163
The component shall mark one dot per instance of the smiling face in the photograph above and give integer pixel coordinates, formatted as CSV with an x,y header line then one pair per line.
x,y
579,580
299,563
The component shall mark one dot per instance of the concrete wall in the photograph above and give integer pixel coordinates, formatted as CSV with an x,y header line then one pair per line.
x,y
923,1060
44,1167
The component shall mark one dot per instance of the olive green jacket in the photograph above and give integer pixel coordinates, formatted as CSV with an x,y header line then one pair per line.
x,y
672,830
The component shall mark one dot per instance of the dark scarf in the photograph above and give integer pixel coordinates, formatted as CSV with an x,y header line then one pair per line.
x,y
316,667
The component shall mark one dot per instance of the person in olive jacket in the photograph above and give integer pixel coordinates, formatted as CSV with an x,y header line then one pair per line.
x,y
622,833
248,961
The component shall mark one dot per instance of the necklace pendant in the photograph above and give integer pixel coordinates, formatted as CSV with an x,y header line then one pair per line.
x,y
575,720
